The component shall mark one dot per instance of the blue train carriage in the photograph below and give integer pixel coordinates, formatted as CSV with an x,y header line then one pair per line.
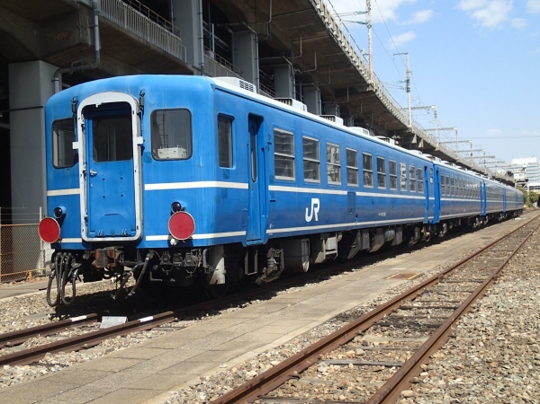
x,y
461,195
515,201
191,180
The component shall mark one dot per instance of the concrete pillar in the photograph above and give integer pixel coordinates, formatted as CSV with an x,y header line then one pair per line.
x,y
246,55
30,86
312,98
188,17
284,81
331,108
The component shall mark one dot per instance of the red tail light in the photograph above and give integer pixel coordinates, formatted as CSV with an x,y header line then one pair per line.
x,y
49,230
181,225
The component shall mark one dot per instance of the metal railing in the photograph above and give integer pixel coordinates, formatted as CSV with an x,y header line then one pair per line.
x,y
139,20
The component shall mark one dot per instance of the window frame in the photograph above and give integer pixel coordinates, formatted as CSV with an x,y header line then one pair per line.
x,y
420,180
403,177
393,174
412,178
314,161
381,172
367,172
333,165
62,143
225,141
162,136
352,169
285,156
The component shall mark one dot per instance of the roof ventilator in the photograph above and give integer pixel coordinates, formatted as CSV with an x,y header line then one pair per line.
x,y
236,82
333,118
293,103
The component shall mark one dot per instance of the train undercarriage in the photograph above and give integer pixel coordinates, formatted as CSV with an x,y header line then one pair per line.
x,y
216,268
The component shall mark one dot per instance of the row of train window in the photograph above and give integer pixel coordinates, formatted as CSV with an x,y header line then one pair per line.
x,y
374,169
460,187
284,159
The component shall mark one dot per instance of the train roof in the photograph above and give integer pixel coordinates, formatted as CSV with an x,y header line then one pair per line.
x,y
134,84
238,86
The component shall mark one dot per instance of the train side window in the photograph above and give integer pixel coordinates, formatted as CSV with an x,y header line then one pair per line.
x,y
393,174
284,154
403,176
381,173
420,176
352,167
333,163
443,185
412,178
312,159
63,136
171,134
225,150
367,162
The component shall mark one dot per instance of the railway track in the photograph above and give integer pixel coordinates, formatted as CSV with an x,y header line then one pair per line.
x,y
385,348
92,338
87,339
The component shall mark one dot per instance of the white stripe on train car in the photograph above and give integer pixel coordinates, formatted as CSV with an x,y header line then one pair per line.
x,y
341,225
71,240
195,184
341,192
62,192
199,236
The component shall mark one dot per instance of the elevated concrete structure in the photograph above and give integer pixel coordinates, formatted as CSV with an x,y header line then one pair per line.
x,y
286,48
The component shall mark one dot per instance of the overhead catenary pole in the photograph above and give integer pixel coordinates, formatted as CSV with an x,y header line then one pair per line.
x,y
407,85
434,109
370,44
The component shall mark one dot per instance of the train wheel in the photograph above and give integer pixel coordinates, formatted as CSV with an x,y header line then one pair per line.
x,y
218,291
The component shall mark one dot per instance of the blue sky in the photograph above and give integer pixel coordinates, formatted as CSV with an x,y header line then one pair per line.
x,y
478,61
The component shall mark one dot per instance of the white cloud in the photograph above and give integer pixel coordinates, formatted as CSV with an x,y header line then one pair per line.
x,y
421,17
386,10
488,13
519,23
533,6
399,40
471,4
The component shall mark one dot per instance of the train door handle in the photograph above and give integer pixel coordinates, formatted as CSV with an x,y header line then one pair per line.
x,y
93,173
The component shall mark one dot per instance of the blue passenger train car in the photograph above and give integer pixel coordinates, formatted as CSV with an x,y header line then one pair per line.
x,y
193,180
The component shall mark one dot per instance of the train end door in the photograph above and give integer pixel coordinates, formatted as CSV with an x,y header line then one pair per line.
x,y
110,171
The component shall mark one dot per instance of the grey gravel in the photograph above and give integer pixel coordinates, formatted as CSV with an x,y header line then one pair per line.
x,y
494,355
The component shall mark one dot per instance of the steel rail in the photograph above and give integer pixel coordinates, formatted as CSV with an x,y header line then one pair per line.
x,y
19,336
86,340
389,392
280,373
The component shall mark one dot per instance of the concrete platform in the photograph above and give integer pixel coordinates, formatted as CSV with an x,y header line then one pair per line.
x,y
149,371
22,288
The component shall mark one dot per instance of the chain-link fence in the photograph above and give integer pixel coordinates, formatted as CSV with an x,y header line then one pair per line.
x,y
22,253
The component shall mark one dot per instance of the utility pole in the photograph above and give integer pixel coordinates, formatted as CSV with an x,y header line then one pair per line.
x,y
407,84
434,109
370,44
368,25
